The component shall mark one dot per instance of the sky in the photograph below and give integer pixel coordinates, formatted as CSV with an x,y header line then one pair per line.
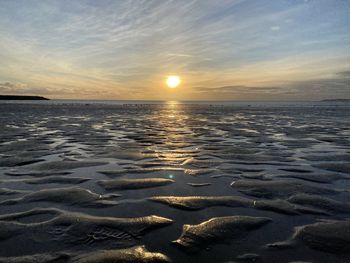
x,y
221,50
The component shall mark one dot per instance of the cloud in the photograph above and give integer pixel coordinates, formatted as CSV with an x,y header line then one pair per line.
x,y
345,74
180,55
321,88
115,49
312,89
9,88
275,28
238,90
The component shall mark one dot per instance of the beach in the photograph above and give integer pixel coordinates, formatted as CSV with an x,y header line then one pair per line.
x,y
174,182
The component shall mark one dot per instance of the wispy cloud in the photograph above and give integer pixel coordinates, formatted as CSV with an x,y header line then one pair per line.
x,y
20,88
313,89
275,28
109,48
236,90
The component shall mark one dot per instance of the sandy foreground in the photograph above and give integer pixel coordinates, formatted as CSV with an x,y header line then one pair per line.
x,y
174,183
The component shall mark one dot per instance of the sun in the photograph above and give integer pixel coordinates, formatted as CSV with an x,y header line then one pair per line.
x,y
173,81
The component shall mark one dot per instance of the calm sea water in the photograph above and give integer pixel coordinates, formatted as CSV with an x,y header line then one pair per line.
x,y
225,103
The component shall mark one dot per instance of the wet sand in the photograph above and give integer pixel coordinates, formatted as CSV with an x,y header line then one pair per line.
x,y
174,182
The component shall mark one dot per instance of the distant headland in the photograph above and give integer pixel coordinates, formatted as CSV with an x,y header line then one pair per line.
x,y
20,97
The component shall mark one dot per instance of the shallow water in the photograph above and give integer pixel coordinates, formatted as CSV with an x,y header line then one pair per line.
x,y
284,164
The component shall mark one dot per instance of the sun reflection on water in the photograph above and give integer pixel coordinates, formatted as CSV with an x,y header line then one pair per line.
x,y
175,147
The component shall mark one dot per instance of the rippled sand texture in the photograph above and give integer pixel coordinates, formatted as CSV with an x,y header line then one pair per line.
x,y
174,183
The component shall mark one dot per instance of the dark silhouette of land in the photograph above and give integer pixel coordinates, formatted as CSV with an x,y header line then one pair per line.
x,y
21,97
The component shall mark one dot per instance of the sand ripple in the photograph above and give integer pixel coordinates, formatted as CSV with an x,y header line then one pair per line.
x,y
118,183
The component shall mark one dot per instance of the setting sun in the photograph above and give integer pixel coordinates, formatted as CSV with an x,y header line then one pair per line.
x,y
173,81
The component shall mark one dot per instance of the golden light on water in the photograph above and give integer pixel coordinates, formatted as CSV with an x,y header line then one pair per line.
x,y
173,81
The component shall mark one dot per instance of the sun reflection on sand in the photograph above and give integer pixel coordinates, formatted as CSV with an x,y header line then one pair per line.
x,y
173,149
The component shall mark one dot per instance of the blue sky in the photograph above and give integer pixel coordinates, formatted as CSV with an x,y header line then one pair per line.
x,y
237,49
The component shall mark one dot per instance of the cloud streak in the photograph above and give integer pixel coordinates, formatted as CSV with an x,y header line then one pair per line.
x,y
315,89
105,49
